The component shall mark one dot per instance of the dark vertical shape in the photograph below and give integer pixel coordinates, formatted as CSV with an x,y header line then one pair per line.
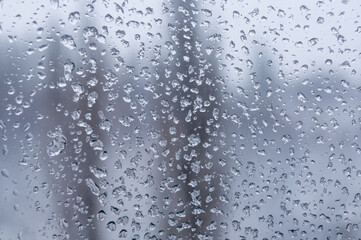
x,y
80,214
187,164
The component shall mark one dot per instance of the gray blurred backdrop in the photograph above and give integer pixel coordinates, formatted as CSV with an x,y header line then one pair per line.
x,y
230,119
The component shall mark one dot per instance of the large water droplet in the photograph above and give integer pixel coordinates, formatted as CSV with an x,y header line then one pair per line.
x,y
58,142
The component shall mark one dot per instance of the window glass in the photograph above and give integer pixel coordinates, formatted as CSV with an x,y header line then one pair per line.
x,y
180,119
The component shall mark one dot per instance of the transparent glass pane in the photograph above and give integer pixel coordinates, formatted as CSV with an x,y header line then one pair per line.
x,y
204,119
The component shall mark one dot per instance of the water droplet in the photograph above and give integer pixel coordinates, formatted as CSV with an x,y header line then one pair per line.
x,y
68,41
111,226
92,186
58,142
74,17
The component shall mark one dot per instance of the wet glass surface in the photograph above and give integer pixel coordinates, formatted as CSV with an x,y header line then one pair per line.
x,y
180,119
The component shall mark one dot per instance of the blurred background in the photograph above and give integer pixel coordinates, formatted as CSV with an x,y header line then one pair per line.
x,y
230,119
